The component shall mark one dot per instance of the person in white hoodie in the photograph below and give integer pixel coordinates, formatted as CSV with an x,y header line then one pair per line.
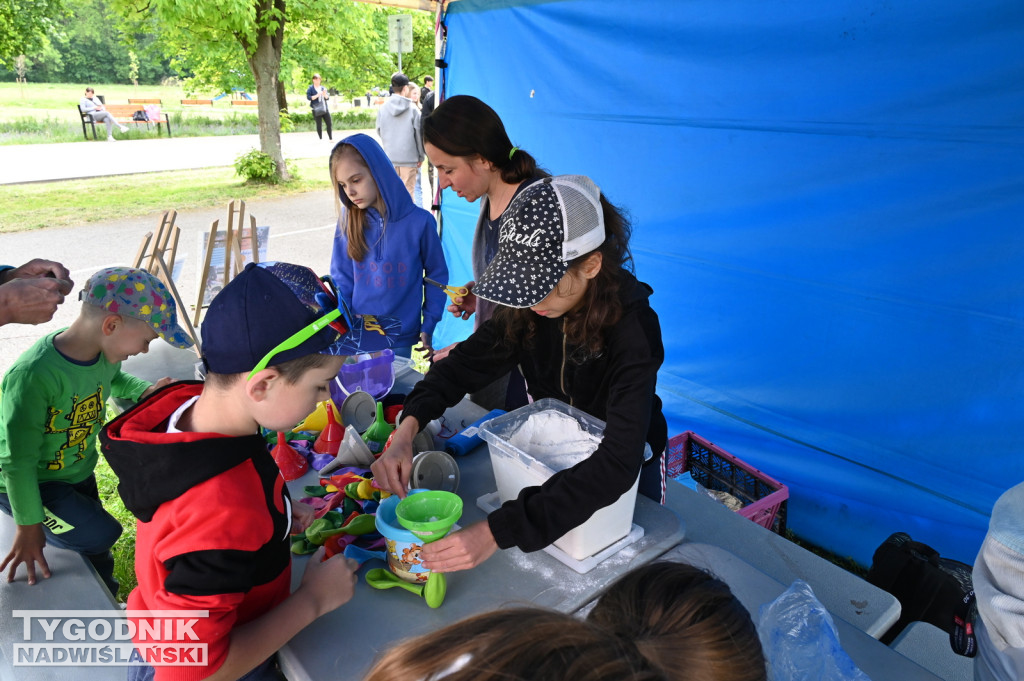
x,y
398,126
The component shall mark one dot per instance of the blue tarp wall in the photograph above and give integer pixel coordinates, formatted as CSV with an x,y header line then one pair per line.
x,y
827,199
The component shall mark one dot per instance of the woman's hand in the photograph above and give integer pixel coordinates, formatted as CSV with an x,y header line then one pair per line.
x,y
391,471
462,550
443,352
465,306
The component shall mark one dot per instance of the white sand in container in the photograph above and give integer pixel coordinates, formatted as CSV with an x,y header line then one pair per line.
x,y
554,438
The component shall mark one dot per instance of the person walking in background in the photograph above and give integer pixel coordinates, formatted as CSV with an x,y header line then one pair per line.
x,y
417,195
428,85
384,245
427,99
398,126
317,95
91,104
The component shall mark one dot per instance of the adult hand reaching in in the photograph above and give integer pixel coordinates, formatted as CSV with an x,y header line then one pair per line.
x,y
31,293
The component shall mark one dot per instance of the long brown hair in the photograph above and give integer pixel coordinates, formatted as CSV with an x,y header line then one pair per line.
x,y
355,217
464,126
685,621
600,307
520,644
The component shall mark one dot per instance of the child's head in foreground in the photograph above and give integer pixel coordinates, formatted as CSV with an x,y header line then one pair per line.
x,y
274,334
125,309
685,621
521,644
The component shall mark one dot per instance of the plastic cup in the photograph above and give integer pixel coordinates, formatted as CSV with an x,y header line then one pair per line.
x,y
429,515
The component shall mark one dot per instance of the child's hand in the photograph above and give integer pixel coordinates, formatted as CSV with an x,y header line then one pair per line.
x,y
392,469
302,516
328,584
166,380
29,541
443,352
425,346
464,307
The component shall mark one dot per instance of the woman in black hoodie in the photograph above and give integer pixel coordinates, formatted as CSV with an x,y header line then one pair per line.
x,y
578,323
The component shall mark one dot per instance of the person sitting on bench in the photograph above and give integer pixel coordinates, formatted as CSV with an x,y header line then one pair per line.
x,y
91,105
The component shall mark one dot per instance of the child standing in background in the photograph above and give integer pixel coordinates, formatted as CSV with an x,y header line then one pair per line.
x,y
385,245
53,404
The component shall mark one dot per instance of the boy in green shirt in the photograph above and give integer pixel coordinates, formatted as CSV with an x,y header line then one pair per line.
x,y
51,410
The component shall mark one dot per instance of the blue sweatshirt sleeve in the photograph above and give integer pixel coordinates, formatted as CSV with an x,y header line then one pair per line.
x,y
433,263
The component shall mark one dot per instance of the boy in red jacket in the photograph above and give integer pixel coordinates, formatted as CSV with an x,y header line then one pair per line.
x,y
214,515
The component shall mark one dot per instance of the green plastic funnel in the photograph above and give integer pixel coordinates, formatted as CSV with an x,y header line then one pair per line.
x,y
429,515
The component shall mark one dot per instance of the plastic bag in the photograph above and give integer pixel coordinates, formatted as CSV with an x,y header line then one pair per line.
x,y
800,641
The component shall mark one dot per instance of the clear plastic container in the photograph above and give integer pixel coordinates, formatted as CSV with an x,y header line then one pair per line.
x,y
520,462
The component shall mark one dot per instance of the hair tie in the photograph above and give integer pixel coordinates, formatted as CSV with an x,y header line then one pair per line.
x,y
511,152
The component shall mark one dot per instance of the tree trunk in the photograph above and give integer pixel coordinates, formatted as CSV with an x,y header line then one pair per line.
x,y
282,96
265,63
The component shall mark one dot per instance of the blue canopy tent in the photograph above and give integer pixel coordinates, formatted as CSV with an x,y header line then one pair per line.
x,y
827,199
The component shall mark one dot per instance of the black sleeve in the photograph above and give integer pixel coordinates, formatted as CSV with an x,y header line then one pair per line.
x,y
474,363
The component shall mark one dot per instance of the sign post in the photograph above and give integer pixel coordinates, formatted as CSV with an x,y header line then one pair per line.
x,y
400,35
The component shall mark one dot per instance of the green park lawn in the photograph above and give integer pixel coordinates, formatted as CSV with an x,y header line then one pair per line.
x,y
34,113
44,113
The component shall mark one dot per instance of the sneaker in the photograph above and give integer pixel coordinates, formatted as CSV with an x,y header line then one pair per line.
x,y
111,138
124,128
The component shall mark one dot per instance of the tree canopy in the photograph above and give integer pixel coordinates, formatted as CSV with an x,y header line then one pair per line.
x,y
24,25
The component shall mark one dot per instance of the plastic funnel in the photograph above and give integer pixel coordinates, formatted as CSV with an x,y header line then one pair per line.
x,y
429,515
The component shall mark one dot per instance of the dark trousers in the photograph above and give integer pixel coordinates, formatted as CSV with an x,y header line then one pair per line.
x,y
319,118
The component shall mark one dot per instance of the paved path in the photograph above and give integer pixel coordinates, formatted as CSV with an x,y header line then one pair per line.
x,y
72,160
301,226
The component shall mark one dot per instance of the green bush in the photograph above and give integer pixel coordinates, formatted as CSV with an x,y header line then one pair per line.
x,y
287,125
256,166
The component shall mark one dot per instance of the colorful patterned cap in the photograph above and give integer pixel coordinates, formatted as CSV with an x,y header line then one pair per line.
x,y
136,293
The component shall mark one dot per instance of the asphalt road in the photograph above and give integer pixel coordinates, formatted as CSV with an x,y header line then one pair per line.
x,y
301,226
301,229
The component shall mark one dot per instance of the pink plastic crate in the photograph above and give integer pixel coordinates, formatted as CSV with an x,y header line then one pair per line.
x,y
763,497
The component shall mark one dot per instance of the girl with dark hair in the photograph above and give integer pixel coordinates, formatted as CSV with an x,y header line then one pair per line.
x,y
579,325
467,143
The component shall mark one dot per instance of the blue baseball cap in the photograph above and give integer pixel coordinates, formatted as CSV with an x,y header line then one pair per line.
x,y
258,309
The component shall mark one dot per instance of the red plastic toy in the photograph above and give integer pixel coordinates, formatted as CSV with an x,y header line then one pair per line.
x,y
329,440
292,464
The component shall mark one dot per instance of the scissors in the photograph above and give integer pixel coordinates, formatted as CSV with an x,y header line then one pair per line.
x,y
452,291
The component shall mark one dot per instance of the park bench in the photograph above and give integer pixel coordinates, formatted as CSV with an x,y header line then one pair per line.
x,y
123,114
144,101
244,102
197,102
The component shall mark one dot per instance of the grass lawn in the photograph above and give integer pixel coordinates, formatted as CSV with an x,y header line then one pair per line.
x,y
71,202
47,112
